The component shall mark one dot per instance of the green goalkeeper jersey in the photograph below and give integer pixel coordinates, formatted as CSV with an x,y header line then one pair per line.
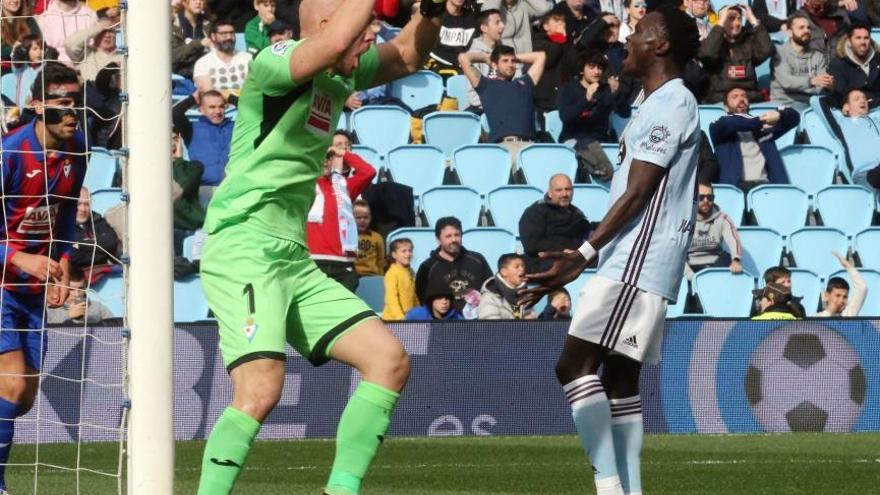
x,y
282,132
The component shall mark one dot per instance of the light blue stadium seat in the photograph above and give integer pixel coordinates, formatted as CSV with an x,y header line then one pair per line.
x,y
848,208
539,162
813,248
872,300
819,131
553,124
807,285
418,90
809,167
457,87
677,309
110,291
762,249
369,155
592,199
866,243
240,43
189,300
619,123
763,72
508,203
483,167
102,168
423,239
104,199
418,166
861,136
372,291
709,114
381,127
491,242
731,200
724,294
452,201
875,35
780,207
187,247
574,287
450,130
342,123
8,85
717,5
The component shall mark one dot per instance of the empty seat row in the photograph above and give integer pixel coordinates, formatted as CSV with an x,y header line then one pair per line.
x,y
189,298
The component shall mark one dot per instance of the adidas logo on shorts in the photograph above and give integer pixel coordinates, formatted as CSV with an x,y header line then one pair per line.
x,y
631,341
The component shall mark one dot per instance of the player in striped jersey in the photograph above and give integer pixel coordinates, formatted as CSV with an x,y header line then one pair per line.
x,y
642,245
43,167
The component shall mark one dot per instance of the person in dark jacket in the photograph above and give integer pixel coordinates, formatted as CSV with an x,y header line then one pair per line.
x,y
551,39
746,145
552,224
96,241
451,264
189,37
558,306
602,36
730,53
439,305
828,22
856,66
578,15
189,215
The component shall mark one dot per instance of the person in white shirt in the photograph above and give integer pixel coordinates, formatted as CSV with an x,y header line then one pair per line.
x,y
635,10
839,299
222,68
642,243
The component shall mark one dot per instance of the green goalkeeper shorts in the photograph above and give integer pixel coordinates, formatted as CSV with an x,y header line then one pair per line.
x,y
266,291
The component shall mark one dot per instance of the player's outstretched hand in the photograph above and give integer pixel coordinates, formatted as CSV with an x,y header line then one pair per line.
x,y
37,266
432,8
567,265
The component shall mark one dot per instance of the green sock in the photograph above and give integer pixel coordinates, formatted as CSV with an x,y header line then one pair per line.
x,y
361,430
226,451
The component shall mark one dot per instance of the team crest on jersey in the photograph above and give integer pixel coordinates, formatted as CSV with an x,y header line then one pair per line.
x,y
320,113
38,219
66,168
659,134
250,328
282,48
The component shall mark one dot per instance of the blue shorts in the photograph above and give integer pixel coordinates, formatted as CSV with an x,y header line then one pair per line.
x,y
22,325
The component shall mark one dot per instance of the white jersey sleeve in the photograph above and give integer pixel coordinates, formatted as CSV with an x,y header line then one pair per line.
x,y
664,125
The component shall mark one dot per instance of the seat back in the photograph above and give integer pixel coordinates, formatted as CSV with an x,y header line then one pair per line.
x,y
110,291
450,130
848,208
423,240
553,124
709,114
381,127
539,162
575,286
809,167
418,166
807,285
780,207
508,203
102,168
813,248
731,200
761,249
592,199
457,87
724,294
418,90
189,300
677,309
104,199
491,242
483,167
372,291
452,201
866,244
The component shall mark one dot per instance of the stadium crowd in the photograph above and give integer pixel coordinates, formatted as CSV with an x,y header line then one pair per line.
x,y
521,61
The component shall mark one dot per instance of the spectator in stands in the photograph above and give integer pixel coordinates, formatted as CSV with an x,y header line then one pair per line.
x,y
828,21
491,27
400,281
872,9
518,16
774,16
96,241
635,10
439,305
553,41
746,145
701,11
730,53
331,231
835,298
222,68
712,229
558,306
457,269
61,19
78,308
27,60
256,33
371,245
236,11
458,28
208,139
778,275
856,66
498,296
776,303
91,49
578,15
552,224
860,133
799,72
279,31
102,99
189,215
601,36
585,107
189,37
507,101
15,25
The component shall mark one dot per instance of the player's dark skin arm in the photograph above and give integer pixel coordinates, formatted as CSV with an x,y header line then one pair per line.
x,y
642,182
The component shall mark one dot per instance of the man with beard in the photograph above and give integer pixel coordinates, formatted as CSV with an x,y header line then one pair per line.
x,y
491,29
730,53
828,21
256,272
712,229
856,66
222,68
643,239
457,268
799,71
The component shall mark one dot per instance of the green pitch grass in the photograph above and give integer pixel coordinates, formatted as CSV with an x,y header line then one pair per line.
x,y
737,464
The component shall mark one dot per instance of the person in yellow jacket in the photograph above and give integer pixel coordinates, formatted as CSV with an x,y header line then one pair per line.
x,y
777,303
400,283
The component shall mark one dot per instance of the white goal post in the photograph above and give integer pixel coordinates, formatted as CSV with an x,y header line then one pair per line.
x,y
150,275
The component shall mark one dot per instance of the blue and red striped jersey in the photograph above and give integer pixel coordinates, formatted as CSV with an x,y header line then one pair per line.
x,y
40,195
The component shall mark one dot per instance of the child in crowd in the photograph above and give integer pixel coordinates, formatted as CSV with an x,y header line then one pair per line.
x,y
400,284
558,306
256,32
439,305
371,246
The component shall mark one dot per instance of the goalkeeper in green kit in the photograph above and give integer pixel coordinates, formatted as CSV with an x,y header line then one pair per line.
x,y
256,271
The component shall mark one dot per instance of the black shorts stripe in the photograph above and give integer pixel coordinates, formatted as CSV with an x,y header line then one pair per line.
x,y
616,323
253,356
613,317
319,352
629,304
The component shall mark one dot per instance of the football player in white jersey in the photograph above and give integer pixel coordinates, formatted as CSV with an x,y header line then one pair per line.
x,y
642,245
